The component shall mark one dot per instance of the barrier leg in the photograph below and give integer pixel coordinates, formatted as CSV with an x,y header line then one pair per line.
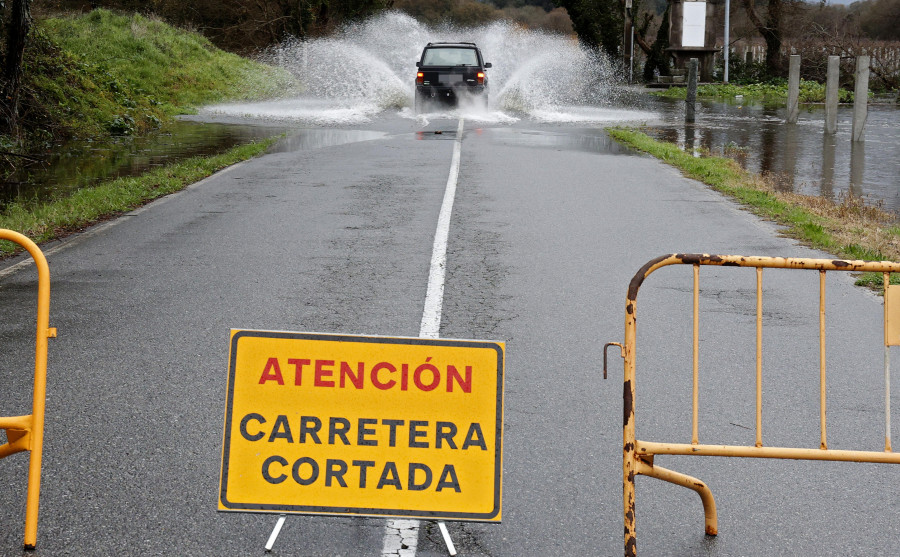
x,y
275,531
27,432
451,549
647,468
33,497
628,496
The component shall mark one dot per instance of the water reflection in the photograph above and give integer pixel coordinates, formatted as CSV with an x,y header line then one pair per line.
x,y
857,167
81,163
801,157
300,140
789,148
829,146
589,139
690,141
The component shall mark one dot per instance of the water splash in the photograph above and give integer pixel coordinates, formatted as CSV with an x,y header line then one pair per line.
x,y
367,69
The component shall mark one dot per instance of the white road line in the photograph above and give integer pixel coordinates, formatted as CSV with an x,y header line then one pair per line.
x,y
401,537
434,297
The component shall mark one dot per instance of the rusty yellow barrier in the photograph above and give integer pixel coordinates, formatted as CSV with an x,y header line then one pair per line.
x,y
638,455
26,433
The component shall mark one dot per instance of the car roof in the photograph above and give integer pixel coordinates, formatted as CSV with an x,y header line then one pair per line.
x,y
458,45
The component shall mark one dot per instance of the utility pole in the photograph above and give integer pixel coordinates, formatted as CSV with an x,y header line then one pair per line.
x,y
727,46
627,38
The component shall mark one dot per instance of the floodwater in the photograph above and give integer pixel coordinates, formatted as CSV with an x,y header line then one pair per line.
x,y
802,158
364,73
77,164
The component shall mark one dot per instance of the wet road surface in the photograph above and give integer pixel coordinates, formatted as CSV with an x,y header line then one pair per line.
x,y
549,224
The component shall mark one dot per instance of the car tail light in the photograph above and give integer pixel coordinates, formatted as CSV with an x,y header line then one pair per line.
x,y
420,78
480,78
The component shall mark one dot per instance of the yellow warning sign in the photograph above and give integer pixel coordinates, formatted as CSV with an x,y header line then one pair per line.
x,y
339,424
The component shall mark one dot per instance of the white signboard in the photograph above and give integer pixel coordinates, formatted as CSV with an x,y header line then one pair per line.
x,y
694,24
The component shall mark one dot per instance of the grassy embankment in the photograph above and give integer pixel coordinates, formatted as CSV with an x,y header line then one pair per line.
x,y
104,74
848,228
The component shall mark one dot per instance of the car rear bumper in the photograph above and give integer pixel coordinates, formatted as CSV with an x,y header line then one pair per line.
x,y
449,93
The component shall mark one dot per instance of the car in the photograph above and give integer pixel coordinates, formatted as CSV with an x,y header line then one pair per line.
x,y
448,72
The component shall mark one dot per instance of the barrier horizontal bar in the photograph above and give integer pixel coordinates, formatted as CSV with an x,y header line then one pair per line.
x,y
647,448
16,422
757,261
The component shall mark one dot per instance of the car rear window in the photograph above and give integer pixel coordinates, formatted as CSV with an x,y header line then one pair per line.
x,y
449,57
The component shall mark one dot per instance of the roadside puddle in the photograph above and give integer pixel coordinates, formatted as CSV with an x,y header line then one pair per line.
x,y
586,140
302,140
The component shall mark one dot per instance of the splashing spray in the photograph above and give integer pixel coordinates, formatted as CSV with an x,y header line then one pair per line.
x,y
368,68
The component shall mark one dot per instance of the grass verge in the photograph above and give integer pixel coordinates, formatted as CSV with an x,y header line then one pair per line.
x,y
46,221
847,228
177,68
104,74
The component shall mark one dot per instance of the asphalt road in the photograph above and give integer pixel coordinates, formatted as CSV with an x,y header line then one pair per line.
x,y
548,227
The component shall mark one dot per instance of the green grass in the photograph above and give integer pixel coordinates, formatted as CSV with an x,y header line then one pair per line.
x,y
46,221
177,68
812,220
102,74
68,98
765,93
875,281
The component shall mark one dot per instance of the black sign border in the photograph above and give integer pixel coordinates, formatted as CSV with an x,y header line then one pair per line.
x,y
361,511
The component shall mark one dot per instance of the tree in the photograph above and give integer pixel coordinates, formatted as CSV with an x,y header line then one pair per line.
x,y
598,23
657,57
17,26
771,32
880,19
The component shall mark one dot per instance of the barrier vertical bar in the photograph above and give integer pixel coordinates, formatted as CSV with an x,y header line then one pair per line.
x,y
759,315
629,464
822,424
695,434
887,399
887,370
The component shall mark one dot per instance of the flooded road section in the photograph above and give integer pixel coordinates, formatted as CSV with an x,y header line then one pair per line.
x,y
364,75
359,87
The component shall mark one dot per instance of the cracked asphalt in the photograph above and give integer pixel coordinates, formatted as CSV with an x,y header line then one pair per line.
x,y
549,225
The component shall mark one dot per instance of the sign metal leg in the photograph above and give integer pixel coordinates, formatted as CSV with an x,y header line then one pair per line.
x,y
275,532
444,532
451,549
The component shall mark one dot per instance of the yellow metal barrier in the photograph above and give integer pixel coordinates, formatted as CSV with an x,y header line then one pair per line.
x,y
26,433
638,455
